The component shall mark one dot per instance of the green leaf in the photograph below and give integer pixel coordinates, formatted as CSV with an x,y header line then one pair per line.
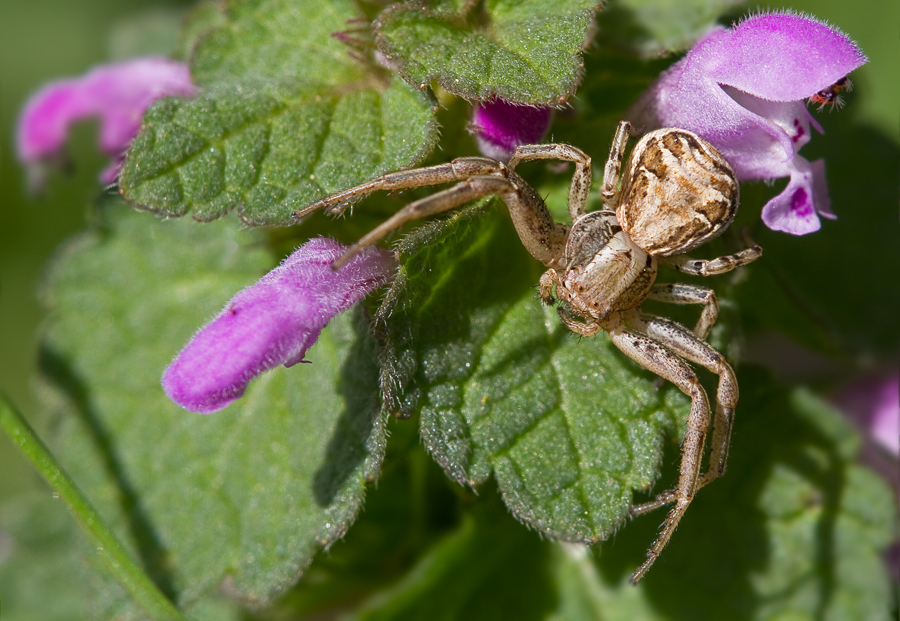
x,y
277,39
570,427
286,117
39,554
487,568
794,530
248,494
270,150
110,553
652,28
524,51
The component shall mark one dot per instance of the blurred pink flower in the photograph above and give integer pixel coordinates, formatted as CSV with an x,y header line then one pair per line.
x,y
500,127
744,90
873,404
117,94
272,322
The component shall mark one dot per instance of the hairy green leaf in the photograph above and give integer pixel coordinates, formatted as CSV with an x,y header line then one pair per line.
x,y
271,150
524,51
570,427
794,530
286,117
277,39
248,494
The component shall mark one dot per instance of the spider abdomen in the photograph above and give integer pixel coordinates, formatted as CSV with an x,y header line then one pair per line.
x,y
678,193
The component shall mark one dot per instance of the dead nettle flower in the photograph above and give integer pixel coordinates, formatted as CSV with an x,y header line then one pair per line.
x,y
744,90
118,94
272,322
499,127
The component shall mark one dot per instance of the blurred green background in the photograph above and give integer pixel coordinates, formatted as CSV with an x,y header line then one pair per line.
x,y
43,40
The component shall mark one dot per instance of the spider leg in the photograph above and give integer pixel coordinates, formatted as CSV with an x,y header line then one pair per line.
x,y
584,328
711,267
540,235
686,344
655,357
458,170
460,194
680,293
548,279
580,188
680,343
612,172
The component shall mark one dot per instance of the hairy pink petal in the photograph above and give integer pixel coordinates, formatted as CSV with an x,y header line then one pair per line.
x,y
781,56
272,322
743,89
117,94
500,127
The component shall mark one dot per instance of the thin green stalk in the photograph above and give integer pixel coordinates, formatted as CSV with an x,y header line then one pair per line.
x,y
120,564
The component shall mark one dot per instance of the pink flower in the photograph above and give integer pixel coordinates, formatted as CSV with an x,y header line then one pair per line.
x,y
272,322
500,127
874,405
744,90
118,94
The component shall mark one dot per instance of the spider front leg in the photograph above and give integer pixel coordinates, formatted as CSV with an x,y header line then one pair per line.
x,y
580,187
460,194
458,170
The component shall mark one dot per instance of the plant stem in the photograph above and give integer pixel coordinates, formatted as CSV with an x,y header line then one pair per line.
x,y
120,564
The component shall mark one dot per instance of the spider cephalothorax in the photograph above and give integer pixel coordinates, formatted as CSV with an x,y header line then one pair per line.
x,y
677,193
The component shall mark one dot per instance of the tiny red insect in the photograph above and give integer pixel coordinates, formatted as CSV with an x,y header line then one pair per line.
x,y
829,96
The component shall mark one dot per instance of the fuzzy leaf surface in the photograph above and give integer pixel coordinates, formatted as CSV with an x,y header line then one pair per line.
x,y
524,51
250,493
570,427
286,116
795,530
276,39
795,508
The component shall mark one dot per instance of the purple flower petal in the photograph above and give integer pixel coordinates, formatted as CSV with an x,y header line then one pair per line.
x,y
500,127
781,56
885,423
118,94
743,89
272,322
794,210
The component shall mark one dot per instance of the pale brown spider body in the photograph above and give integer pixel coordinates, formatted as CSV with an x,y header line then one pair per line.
x,y
678,192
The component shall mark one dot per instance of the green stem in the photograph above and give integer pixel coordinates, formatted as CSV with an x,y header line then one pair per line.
x,y
120,564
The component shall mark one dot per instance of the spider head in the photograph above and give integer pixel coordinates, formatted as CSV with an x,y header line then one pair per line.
x,y
601,264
